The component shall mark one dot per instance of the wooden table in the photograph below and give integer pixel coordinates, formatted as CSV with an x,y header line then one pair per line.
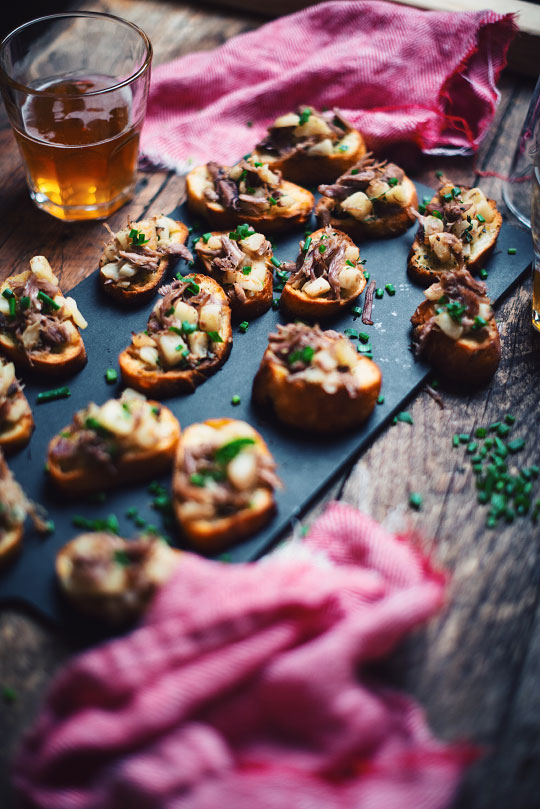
x,y
475,667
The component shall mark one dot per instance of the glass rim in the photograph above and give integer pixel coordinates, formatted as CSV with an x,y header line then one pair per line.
x,y
65,15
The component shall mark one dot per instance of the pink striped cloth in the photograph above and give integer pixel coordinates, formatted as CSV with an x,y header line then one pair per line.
x,y
248,687
399,74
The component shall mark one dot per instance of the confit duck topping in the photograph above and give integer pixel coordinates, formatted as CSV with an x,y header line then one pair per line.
x,y
328,266
35,314
249,187
307,132
183,328
462,308
101,435
224,470
14,505
135,252
13,405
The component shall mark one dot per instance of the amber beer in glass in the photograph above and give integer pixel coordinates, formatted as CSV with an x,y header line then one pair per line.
x,y
75,88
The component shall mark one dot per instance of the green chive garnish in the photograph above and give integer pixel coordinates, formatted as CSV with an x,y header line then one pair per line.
x,y
307,244
415,501
512,251
206,237
380,399
392,181
322,248
243,326
51,395
276,262
405,417
193,287
379,293
246,270
350,263
390,288
235,399
111,375
480,217
214,336
48,300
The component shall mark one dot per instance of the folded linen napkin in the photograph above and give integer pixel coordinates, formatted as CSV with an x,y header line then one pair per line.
x,y
399,74
246,687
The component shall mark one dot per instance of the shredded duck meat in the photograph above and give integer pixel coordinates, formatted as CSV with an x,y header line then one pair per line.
x,y
144,257
463,299
312,263
248,187
360,176
14,505
282,141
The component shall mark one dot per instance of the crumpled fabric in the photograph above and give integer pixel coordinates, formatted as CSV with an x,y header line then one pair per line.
x,y
249,686
401,75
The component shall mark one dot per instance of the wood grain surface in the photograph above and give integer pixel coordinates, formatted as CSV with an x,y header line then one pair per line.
x,y
475,667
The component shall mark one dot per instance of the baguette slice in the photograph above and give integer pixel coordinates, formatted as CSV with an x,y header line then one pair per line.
x,y
314,399
136,374
256,302
423,265
470,362
64,358
142,288
13,514
396,222
276,219
298,303
111,578
132,466
213,533
17,425
335,150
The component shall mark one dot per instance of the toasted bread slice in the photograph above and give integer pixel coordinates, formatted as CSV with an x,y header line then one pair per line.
x,y
276,219
158,233
147,373
79,473
112,578
426,263
393,223
256,286
314,302
16,421
196,509
308,394
470,361
13,510
10,543
311,147
61,357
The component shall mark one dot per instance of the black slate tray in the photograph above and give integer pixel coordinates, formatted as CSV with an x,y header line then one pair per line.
x,y
306,465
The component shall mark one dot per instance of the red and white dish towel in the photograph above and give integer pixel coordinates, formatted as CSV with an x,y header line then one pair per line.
x,y
401,75
248,687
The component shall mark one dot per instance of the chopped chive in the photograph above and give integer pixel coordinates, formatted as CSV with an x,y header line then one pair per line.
x,y
111,375
24,302
7,293
366,275
494,426
246,270
350,263
214,336
405,417
206,237
421,209
379,293
235,399
472,447
510,419
243,326
483,274
415,501
307,244
503,430
51,395
455,441
271,200
380,399
437,214
276,262
193,287
447,197
364,348
480,217
512,251
352,333
275,304
48,300
363,337
392,181
354,171
357,311
480,432
322,248
516,445
464,438
456,191
390,288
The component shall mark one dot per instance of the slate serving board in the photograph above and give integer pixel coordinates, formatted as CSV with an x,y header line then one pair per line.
x,y
306,465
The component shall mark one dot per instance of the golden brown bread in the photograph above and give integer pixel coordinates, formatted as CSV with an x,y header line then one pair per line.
x,y
75,473
311,394
299,303
141,287
275,219
161,381
200,524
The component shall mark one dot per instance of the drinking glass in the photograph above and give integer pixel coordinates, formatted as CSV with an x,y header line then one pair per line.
x,y
521,192
75,88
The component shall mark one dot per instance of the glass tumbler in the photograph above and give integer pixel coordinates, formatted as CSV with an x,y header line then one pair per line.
x,y
75,88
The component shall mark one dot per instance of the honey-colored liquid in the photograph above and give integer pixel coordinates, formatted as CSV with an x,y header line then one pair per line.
x,y
80,153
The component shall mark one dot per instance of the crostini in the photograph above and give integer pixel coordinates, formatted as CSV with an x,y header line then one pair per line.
x,y
458,226
248,192
311,147
16,420
326,276
123,441
372,200
315,380
241,261
14,508
39,327
135,259
223,483
113,578
455,329
188,338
